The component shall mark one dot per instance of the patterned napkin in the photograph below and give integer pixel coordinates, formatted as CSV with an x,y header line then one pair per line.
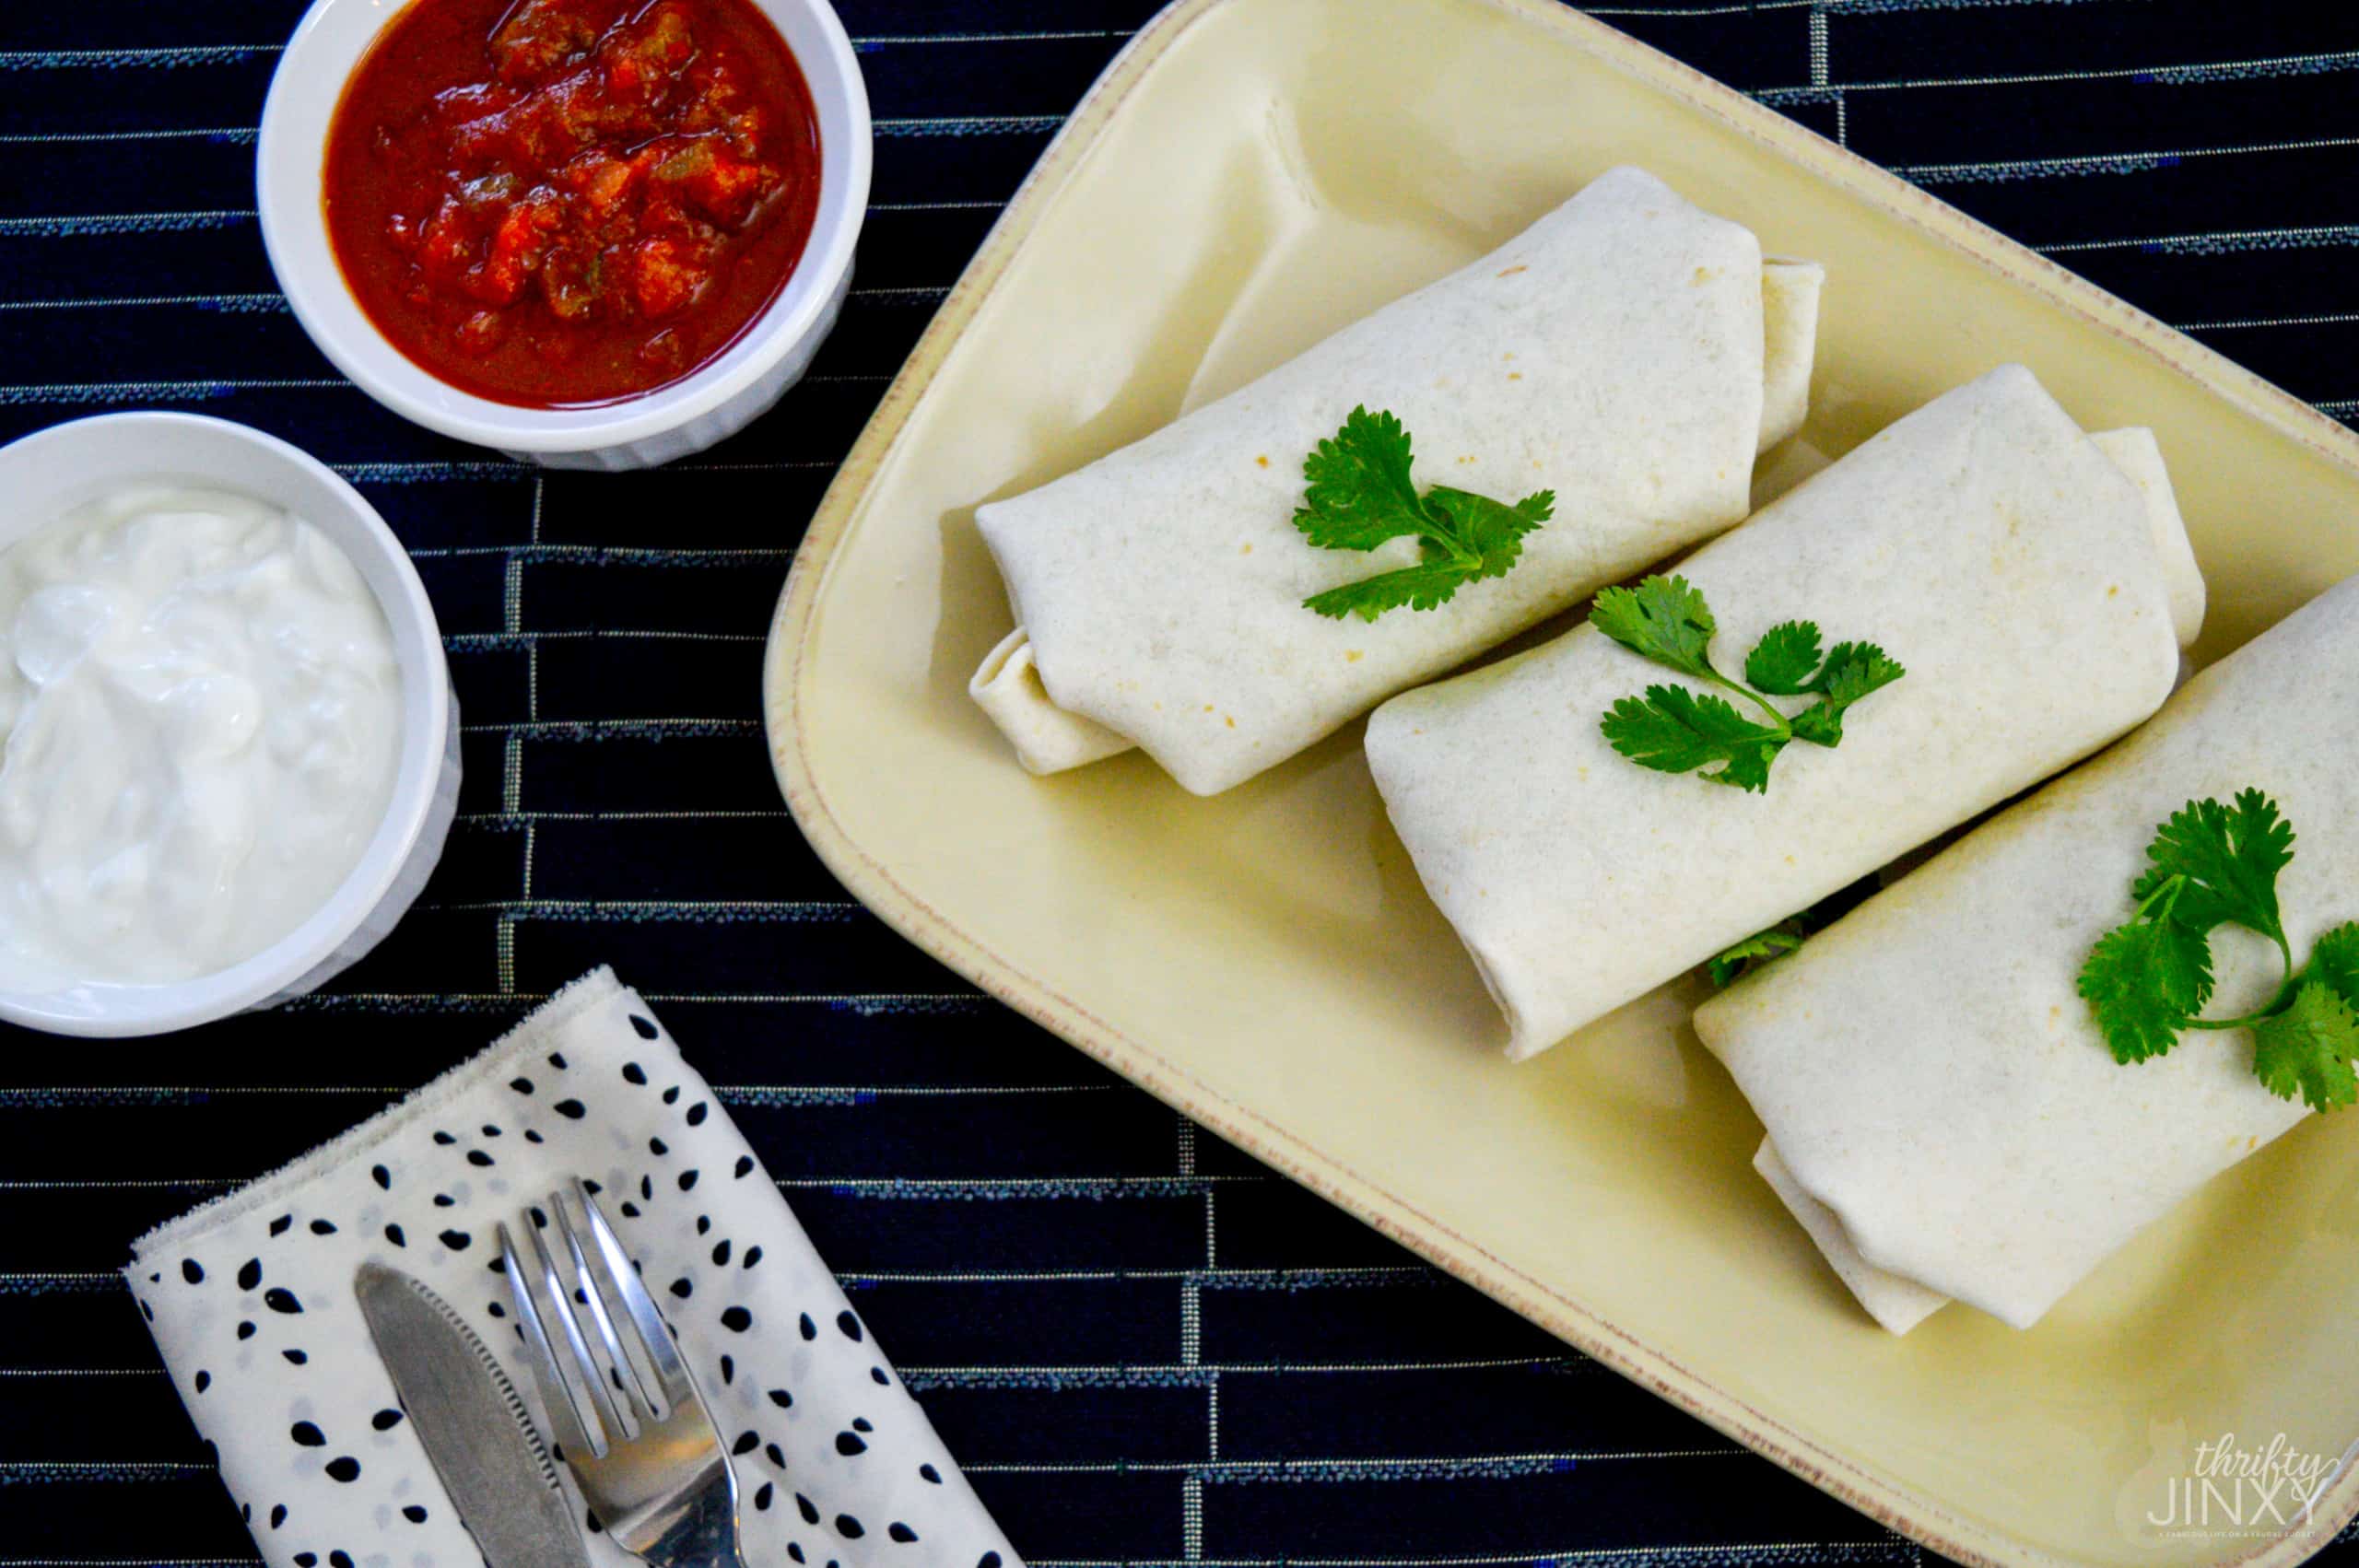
x,y
250,1300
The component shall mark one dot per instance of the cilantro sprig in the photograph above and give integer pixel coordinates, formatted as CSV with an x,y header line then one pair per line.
x,y
1358,495
1772,944
2149,979
1739,959
1674,729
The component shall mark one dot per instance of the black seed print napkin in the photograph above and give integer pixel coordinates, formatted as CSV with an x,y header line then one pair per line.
x,y
250,1300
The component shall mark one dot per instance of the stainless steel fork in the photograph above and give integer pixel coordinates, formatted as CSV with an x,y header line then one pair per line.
x,y
628,1418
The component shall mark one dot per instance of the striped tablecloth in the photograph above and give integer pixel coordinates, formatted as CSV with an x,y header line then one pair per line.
x,y
1146,1347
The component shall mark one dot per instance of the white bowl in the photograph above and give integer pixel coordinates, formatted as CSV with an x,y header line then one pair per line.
x,y
671,422
51,472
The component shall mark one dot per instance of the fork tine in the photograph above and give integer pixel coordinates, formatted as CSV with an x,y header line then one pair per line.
x,y
575,1358
595,1295
577,1427
623,1285
662,1484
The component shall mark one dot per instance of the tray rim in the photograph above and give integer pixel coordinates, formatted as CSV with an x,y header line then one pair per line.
x,y
906,911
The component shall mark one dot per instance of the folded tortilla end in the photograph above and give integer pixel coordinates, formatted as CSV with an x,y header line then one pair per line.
x,y
1896,1304
1006,685
1789,295
2137,454
1522,1043
1526,1037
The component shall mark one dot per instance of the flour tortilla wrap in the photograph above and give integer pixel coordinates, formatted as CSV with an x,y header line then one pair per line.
x,y
1899,1304
1927,1071
1984,542
1629,351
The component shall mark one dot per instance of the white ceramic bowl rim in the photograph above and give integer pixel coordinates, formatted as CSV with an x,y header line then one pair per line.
x,y
147,442
304,91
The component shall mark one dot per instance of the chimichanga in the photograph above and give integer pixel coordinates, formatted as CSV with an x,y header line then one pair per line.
x,y
2036,593
1949,1119
1629,351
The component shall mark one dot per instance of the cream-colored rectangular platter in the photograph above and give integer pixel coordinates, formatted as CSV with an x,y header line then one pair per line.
x,y
1249,176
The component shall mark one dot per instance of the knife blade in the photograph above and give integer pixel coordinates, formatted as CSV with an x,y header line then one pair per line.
x,y
474,1427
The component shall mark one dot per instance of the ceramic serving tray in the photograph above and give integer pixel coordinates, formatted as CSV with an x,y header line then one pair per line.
x,y
1249,176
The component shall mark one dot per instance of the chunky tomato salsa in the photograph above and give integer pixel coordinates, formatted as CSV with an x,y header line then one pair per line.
x,y
556,203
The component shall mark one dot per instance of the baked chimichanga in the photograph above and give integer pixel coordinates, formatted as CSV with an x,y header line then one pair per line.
x,y
1943,1110
2035,583
1628,352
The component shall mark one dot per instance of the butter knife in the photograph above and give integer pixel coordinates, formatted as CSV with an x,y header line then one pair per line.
x,y
475,1428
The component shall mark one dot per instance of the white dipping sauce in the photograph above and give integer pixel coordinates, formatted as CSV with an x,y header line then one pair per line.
x,y
204,720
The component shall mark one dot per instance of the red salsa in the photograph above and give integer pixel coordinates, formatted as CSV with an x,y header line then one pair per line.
x,y
559,203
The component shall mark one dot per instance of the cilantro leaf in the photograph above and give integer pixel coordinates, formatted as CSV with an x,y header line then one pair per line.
x,y
1666,620
1492,530
2306,1050
1356,490
2334,962
1739,959
1853,670
2230,857
1821,724
1357,494
1749,768
1785,658
1673,730
2145,981
1419,587
1662,619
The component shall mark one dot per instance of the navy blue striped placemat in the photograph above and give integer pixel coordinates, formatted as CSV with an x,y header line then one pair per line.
x,y
1145,1347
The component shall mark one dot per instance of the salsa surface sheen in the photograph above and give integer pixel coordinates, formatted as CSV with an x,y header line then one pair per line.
x,y
566,203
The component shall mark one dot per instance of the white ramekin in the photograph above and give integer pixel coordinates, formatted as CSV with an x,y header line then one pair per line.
x,y
671,422
53,470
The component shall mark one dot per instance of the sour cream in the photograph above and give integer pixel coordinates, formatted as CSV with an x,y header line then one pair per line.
x,y
202,719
